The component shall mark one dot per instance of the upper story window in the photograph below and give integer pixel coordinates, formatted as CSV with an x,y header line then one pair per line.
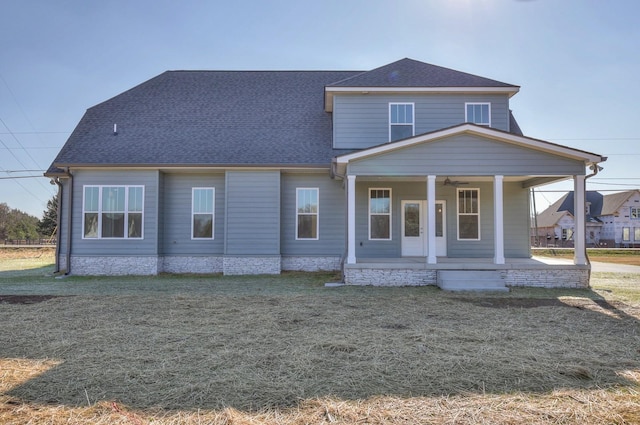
x,y
113,212
401,121
635,213
478,113
307,213
202,212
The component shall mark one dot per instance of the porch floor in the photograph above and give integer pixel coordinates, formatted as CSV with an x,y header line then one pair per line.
x,y
446,263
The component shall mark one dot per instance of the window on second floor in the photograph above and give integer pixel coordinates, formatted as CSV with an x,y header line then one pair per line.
x,y
478,113
635,213
401,121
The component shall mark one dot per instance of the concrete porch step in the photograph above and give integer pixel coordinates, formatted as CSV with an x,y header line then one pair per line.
x,y
471,280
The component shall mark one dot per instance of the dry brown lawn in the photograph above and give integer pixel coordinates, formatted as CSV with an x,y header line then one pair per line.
x,y
296,354
286,350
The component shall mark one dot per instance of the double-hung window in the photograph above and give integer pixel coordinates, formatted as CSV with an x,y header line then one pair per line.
x,y
379,214
202,212
112,212
635,213
307,207
626,234
401,121
469,214
478,113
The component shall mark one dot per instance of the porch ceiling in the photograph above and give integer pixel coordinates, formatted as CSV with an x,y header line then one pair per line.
x,y
527,181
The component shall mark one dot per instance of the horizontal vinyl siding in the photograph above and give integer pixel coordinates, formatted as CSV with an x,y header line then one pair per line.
x,y
148,245
466,155
362,121
399,191
177,215
332,215
483,248
252,213
515,220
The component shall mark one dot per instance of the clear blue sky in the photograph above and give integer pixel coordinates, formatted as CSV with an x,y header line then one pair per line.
x,y
577,62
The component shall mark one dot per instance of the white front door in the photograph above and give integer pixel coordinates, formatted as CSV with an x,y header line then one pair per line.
x,y
414,229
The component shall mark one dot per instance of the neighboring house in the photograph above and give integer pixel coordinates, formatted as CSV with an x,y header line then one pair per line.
x,y
621,219
612,221
556,224
392,176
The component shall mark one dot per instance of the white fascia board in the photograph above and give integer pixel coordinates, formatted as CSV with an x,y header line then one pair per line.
x,y
512,90
540,145
330,91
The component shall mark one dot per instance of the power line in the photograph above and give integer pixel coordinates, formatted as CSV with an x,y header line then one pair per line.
x,y
23,171
36,132
20,177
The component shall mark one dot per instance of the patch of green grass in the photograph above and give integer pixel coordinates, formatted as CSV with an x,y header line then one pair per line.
x,y
618,286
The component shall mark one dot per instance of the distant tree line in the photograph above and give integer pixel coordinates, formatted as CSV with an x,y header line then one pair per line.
x,y
18,225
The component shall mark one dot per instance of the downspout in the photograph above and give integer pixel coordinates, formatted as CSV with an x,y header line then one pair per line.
x,y
333,174
69,223
56,181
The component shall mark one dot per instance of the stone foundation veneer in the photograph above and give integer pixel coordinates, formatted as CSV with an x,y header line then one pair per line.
x,y
389,277
244,265
311,264
536,277
548,278
198,265
115,266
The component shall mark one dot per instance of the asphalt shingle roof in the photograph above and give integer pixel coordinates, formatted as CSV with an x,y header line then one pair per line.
x,y
411,73
210,118
226,118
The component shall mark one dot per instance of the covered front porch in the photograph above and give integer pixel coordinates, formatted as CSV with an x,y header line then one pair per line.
x,y
457,200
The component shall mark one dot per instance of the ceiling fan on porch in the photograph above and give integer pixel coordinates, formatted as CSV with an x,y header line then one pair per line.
x,y
454,183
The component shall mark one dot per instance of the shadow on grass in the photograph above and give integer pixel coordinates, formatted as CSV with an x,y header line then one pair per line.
x,y
255,350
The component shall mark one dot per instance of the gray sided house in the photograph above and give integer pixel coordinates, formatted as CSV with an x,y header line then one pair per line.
x,y
402,175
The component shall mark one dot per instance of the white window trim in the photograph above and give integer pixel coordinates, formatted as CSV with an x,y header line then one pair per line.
x,y
458,214
213,214
413,117
317,214
466,118
628,239
637,213
390,214
100,212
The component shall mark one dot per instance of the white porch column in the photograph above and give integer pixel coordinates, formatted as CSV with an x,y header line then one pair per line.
x,y
498,220
579,232
351,219
431,220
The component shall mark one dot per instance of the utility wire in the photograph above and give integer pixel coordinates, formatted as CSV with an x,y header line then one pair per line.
x,y
20,177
